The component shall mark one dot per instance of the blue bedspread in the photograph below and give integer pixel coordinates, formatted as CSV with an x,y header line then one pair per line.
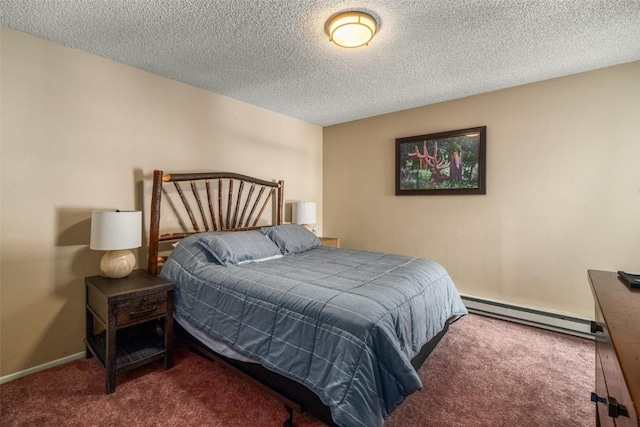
x,y
344,323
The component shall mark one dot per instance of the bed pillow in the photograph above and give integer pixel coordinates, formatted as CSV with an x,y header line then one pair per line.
x,y
292,238
239,247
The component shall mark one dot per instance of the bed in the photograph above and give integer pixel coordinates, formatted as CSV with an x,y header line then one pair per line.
x,y
336,332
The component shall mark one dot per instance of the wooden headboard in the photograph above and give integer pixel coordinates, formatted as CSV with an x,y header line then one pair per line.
x,y
211,201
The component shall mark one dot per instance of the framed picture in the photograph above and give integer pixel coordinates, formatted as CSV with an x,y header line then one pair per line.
x,y
450,162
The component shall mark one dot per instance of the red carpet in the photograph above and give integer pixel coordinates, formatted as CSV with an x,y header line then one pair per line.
x,y
485,372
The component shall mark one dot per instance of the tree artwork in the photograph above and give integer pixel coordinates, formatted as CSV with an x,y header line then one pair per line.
x,y
433,163
444,163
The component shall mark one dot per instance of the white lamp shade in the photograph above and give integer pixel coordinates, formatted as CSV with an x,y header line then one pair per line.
x,y
115,230
304,213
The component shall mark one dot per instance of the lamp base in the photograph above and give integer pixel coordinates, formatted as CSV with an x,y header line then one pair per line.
x,y
117,264
312,228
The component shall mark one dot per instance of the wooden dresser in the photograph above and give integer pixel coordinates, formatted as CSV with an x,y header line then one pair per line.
x,y
617,331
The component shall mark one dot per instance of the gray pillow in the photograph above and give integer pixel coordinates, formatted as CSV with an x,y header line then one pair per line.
x,y
239,247
292,238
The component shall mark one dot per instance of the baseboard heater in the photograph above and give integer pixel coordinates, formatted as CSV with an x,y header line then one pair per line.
x,y
528,316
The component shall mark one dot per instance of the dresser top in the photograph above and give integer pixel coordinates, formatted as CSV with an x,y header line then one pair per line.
x,y
620,305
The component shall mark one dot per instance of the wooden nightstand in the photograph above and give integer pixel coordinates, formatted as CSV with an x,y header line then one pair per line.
x,y
132,312
333,242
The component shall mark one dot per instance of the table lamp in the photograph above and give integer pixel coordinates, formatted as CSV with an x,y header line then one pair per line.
x,y
304,213
116,232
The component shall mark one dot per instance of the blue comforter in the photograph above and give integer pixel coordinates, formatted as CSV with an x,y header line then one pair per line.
x,y
344,323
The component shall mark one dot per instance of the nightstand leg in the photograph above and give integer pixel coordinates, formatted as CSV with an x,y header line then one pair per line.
x,y
110,353
168,332
89,332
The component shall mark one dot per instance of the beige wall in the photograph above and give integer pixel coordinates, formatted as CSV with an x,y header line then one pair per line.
x,y
563,189
80,132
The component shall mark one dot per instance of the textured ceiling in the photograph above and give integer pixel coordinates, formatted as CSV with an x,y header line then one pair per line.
x,y
275,53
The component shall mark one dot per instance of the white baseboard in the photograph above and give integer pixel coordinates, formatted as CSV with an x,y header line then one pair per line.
x,y
42,367
528,316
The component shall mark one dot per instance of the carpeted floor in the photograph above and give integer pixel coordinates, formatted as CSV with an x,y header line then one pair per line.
x,y
485,372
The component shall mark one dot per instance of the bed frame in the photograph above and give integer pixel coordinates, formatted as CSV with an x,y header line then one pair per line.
x,y
217,202
215,215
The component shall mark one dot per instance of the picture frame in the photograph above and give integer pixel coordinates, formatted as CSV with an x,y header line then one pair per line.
x,y
443,163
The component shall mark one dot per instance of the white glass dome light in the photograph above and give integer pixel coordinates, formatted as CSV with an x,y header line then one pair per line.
x,y
352,29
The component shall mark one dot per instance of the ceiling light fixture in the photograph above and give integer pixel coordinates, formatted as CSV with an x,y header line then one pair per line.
x,y
352,29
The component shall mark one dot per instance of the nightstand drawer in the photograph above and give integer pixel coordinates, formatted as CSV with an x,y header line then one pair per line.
x,y
135,310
